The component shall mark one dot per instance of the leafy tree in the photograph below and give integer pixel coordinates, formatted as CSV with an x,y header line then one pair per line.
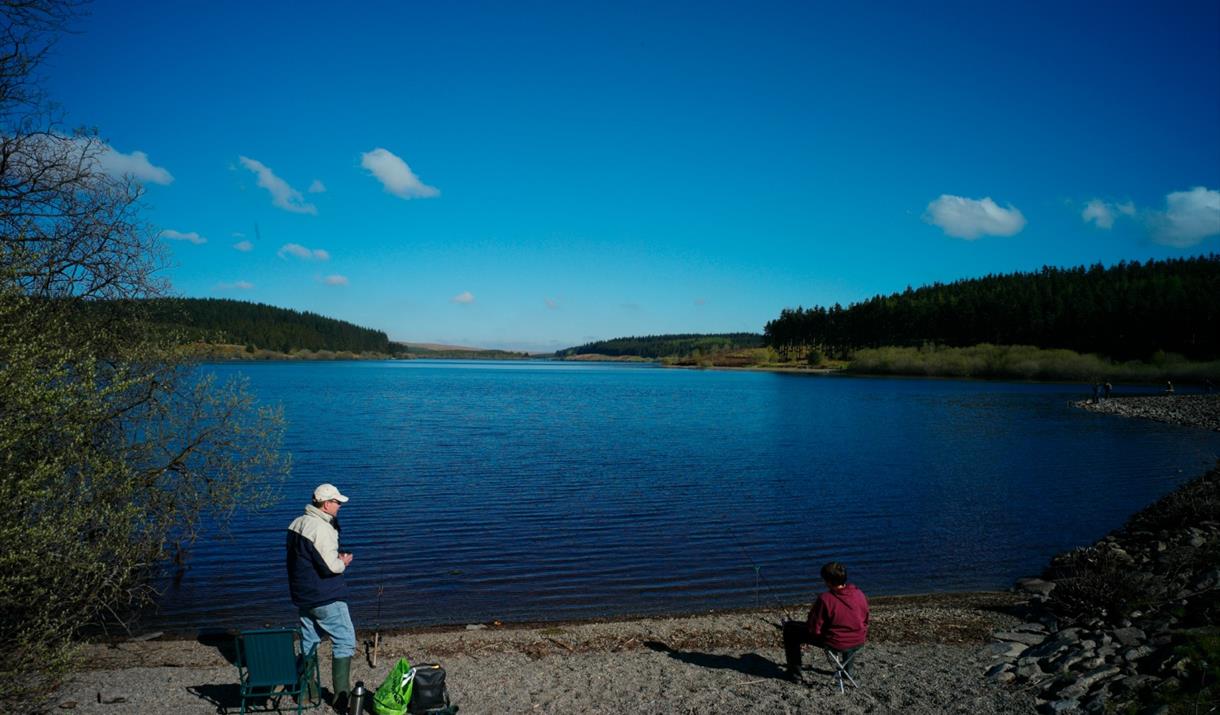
x,y
113,449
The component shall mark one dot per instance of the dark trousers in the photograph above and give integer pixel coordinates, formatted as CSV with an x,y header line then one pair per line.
x,y
796,634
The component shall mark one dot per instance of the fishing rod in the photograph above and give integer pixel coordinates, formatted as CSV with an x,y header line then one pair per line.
x,y
377,628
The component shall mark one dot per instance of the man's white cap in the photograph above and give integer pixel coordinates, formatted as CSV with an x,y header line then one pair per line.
x,y
326,492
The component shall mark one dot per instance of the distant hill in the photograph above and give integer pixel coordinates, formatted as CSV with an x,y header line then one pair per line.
x,y
666,346
261,327
454,352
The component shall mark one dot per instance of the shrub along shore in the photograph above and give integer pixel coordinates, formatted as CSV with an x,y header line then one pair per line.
x,y
984,361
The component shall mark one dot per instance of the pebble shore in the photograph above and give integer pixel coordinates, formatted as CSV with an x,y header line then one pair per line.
x,y
1193,410
926,656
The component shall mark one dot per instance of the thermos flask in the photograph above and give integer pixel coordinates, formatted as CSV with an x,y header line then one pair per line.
x,y
357,701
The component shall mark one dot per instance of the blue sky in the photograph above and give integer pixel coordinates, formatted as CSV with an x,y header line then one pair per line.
x,y
537,175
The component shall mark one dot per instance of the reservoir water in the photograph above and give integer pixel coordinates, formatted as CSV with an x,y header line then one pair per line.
x,y
545,491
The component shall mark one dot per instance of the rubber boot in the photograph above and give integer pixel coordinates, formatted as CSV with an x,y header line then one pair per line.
x,y
340,682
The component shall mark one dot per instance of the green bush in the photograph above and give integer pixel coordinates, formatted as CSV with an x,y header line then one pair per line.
x,y
1024,362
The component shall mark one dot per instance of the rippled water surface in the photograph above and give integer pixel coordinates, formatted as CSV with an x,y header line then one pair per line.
x,y
531,490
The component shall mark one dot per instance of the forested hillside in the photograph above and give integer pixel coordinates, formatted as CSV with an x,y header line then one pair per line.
x,y
260,326
659,346
1126,311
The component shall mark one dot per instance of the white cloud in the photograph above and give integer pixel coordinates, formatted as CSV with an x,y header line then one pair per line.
x,y
1099,212
244,246
180,236
1189,217
1102,213
238,234
465,298
135,164
299,251
282,195
317,187
236,285
335,280
971,218
395,175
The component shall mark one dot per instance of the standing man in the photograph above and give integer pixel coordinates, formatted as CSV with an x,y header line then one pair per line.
x,y
315,579
838,621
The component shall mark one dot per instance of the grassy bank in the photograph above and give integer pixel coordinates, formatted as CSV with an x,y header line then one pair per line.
x,y
1024,362
1009,362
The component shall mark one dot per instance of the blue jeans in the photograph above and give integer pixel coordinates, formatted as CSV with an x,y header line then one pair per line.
x,y
333,620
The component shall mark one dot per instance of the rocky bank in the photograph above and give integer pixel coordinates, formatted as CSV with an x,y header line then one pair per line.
x,y
1194,410
1128,624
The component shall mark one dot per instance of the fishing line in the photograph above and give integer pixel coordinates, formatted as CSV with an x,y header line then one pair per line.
x,y
758,576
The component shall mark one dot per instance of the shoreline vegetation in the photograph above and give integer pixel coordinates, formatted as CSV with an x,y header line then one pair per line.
x,y
996,362
988,362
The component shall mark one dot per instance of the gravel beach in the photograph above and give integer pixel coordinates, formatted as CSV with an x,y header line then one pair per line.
x,y
1192,410
927,654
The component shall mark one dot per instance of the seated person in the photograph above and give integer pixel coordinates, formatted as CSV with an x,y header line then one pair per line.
x,y
838,621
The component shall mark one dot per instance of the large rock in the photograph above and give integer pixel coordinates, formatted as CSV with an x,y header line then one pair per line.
x,y
1097,675
1035,585
1029,670
1050,648
1015,637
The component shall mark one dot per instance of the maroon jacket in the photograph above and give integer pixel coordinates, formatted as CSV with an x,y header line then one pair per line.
x,y
839,618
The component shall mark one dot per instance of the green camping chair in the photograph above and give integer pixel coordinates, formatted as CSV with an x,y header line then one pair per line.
x,y
270,666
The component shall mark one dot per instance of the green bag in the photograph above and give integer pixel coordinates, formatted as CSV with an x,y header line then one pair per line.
x,y
394,694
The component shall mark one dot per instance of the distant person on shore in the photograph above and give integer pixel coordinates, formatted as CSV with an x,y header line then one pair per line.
x,y
1108,390
1096,392
315,580
1168,387
838,621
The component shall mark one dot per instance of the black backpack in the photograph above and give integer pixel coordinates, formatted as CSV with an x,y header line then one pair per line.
x,y
429,696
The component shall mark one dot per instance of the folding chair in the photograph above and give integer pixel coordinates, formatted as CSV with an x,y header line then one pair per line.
x,y
270,665
842,660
